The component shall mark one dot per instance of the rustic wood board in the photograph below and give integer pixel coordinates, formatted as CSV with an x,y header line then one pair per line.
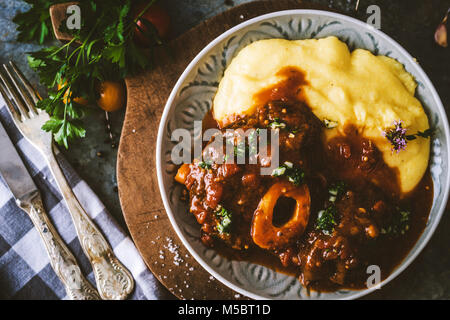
x,y
139,194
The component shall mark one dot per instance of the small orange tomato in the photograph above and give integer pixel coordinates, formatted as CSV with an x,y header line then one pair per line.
x,y
79,100
112,95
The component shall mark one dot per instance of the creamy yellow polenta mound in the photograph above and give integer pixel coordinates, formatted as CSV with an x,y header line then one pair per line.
x,y
356,88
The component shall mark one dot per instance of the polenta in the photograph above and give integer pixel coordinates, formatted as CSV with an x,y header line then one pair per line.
x,y
357,88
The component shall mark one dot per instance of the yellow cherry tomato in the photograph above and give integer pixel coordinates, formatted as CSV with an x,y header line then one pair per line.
x,y
112,95
80,100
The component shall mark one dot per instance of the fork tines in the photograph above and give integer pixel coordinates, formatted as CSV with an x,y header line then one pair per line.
x,y
18,93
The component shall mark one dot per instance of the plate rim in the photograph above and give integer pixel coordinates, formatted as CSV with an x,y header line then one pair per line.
x,y
163,122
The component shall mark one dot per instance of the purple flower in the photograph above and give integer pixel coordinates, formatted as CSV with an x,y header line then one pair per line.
x,y
396,136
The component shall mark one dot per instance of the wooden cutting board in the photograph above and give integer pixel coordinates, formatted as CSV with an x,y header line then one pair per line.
x,y
139,194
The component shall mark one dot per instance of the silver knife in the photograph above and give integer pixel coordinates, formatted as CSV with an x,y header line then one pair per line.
x,y
29,199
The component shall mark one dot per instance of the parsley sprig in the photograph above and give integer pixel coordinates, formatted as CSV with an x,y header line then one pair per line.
x,y
35,24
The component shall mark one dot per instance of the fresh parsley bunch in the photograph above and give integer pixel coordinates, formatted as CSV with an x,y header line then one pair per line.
x,y
102,49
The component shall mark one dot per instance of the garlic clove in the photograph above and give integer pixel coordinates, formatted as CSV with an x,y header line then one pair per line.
x,y
440,35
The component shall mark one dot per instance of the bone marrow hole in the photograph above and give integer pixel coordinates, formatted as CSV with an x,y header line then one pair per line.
x,y
283,211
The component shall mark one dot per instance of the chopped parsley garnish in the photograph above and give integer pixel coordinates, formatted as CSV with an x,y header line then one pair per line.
x,y
277,124
294,174
289,164
399,223
252,141
326,219
224,220
329,124
252,135
204,165
336,191
240,149
278,171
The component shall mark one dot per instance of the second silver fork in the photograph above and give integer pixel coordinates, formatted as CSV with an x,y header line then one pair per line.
x,y
113,280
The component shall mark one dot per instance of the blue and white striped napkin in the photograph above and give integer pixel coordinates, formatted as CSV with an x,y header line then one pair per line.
x,y
25,271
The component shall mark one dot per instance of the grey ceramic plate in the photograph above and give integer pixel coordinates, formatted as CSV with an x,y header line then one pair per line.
x,y
192,97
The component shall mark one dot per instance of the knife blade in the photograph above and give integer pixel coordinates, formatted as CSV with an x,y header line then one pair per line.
x,y
13,170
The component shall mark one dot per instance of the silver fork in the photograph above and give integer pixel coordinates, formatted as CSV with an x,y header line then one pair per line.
x,y
113,280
